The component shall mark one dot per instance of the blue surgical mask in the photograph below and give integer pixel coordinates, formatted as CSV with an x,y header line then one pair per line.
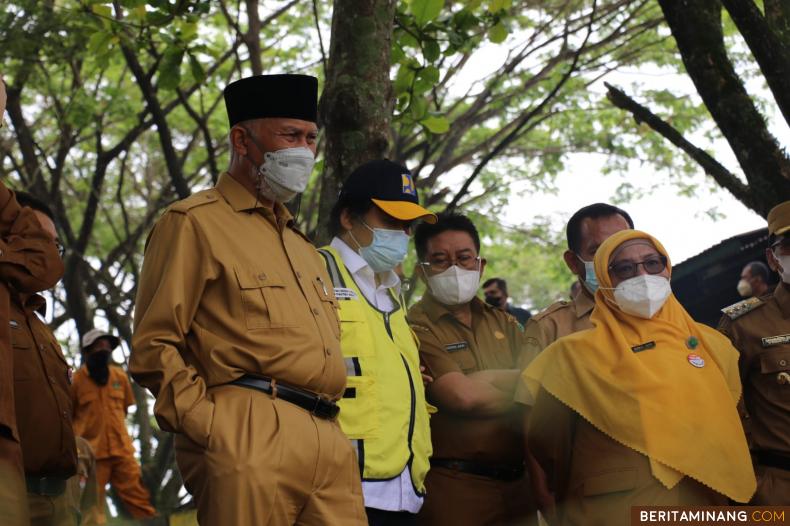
x,y
590,280
387,249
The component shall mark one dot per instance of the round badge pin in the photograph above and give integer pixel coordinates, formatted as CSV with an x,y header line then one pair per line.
x,y
696,360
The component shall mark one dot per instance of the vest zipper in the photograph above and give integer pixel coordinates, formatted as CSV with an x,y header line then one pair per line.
x,y
387,326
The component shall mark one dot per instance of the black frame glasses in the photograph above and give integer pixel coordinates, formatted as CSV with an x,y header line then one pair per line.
x,y
628,269
437,267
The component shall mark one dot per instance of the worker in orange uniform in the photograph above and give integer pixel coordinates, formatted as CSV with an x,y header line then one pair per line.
x,y
101,396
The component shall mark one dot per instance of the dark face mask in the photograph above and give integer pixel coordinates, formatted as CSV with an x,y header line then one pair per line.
x,y
494,301
98,364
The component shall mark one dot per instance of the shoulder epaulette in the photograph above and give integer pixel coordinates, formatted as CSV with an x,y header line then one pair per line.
x,y
554,307
736,310
201,198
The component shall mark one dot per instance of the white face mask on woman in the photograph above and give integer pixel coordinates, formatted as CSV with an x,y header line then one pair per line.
x,y
455,285
642,295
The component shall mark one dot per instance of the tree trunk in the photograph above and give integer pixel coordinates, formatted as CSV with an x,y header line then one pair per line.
x,y
356,106
697,28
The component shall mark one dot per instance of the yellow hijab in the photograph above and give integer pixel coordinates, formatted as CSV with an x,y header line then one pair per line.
x,y
653,400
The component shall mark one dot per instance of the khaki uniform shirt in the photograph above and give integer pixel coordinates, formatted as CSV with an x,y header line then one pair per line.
x,y
100,412
29,262
41,390
495,341
228,288
557,320
762,336
596,479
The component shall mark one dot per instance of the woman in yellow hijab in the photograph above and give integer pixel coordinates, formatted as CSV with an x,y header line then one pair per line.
x,y
641,409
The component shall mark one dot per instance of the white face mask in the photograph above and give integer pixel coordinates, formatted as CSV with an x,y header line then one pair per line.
x,y
744,288
285,173
643,295
455,285
785,262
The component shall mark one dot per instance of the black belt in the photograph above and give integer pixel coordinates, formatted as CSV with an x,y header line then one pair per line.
x,y
48,486
772,460
477,468
315,404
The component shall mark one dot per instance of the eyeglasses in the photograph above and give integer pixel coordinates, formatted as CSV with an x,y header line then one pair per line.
x,y
783,245
61,248
629,269
465,261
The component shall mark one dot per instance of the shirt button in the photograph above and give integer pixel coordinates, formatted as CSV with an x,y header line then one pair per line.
x,y
299,275
782,362
51,379
315,311
65,414
261,276
328,351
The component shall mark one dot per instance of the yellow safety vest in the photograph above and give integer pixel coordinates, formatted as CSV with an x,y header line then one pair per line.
x,y
383,410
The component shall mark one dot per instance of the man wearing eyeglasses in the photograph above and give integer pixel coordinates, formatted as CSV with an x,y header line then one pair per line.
x,y
587,229
760,329
470,349
41,396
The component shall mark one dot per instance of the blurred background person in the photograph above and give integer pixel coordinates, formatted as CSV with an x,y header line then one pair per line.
x,y
102,395
495,291
755,280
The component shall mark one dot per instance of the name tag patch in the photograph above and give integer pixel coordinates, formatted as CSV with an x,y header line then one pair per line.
x,y
776,340
643,346
345,294
454,347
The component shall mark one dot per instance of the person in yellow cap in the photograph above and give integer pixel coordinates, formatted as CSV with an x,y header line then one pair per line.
x,y
759,327
383,410
640,409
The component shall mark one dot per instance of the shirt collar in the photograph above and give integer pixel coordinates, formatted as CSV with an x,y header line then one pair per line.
x,y
33,303
583,303
242,200
358,267
436,309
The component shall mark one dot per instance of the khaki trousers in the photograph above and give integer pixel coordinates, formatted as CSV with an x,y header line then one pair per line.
x,y
51,511
270,462
124,475
13,490
773,487
461,499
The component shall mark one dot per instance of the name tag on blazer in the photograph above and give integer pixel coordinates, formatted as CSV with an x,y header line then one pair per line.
x,y
455,347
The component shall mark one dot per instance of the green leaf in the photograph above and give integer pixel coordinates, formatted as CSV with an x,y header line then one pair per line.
x,y
426,79
436,124
98,43
418,107
198,73
498,33
104,11
157,18
170,68
498,5
426,10
430,50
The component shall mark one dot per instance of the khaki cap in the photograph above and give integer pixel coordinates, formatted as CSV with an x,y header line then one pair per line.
x,y
779,219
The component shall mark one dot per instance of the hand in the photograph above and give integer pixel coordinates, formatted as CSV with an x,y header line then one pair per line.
x,y
426,379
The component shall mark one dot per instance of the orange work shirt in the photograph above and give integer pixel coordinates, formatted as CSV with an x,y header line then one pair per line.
x,y
100,412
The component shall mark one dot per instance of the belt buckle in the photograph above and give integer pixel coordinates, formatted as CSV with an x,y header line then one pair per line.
x,y
324,409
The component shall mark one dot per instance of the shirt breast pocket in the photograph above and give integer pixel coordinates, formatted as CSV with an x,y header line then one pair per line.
x,y
775,369
266,300
465,359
